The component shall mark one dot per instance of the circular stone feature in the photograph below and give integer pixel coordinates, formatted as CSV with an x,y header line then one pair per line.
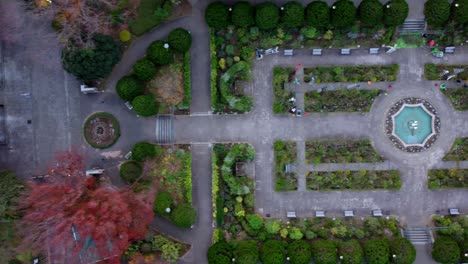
x,y
412,124
101,130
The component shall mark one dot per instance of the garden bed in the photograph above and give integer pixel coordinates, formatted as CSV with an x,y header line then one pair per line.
x,y
341,151
349,100
282,75
458,97
436,71
351,73
353,180
451,229
101,130
448,178
459,150
285,155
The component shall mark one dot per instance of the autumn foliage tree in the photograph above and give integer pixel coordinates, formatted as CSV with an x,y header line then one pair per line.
x,y
68,201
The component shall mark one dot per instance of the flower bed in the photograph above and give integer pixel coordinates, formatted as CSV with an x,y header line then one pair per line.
x,y
341,151
360,73
458,97
353,180
436,71
281,98
285,154
448,178
459,150
350,100
101,130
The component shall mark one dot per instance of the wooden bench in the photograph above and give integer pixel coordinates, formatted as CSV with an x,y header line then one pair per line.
x,y
348,213
316,52
377,213
374,51
320,214
288,52
449,50
345,51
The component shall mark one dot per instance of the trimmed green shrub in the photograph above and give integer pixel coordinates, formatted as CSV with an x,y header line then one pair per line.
x,y
377,251
180,40
160,55
162,202
395,13
246,252
145,105
217,15
437,12
293,15
295,233
267,15
351,251
324,252
370,12
220,253
144,69
446,250
184,215
343,14
299,252
92,64
273,227
125,35
317,14
129,87
403,250
243,14
130,171
143,150
460,12
255,221
273,252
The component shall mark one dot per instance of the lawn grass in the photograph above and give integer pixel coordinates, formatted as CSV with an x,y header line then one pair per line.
x,y
349,100
352,73
281,75
458,97
459,150
448,178
150,14
285,153
353,180
341,151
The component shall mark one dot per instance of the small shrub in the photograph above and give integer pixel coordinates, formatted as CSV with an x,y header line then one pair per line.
x,y
143,150
295,233
162,202
217,15
267,15
125,35
377,251
161,55
243,14
180,40
184,215
130,171
344,13
255,221
437,12
129,87
317,14
445,250
145,105
273,227
144,69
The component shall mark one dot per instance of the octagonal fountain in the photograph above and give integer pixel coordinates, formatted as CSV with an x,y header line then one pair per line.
x,y
412,124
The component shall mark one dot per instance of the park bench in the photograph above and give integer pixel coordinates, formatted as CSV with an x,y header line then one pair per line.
x,y
316,52
128,155
288,168
377,213
319,214
348,213
129,105
96,171
449,50
454,211
288,52
345,51
291,214
374,51
86,90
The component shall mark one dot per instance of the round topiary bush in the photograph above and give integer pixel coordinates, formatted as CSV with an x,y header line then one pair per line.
x,y
255,221
377,251
145,105
351,251
159,52
343,13
267,15
125,35
370,12
243,14
445,250
324,252
460,11
437,12
162,202
395,13
184,215
130,171
180,40
144,69
101,130
317,14
143,150
403,250
292,15
246,251
129,87
217,15
273,252
220,253
299,252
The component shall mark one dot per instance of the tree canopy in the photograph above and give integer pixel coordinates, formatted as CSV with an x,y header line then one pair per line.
x,y
343,13
129,87
145,105
180,40
267,15
437,12
293,15
460,11
317,14
370,12
217,15
243,14
395,12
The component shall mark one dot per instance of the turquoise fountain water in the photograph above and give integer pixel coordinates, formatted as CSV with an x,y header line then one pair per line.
x,y
413,124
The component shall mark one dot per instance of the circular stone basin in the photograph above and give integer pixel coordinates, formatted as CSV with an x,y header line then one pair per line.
x,y
412,124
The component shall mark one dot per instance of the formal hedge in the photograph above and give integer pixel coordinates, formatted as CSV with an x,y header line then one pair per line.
x,y
317,14
293,15
243,14
437,12
370,12
217,15
130,171
267,15
343,13
445,250
129,87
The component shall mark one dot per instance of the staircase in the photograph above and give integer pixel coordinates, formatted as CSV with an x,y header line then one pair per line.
x,y
164,129
413,26
418,235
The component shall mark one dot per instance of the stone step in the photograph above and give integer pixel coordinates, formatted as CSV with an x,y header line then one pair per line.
x,y
164,129
417,235
412,26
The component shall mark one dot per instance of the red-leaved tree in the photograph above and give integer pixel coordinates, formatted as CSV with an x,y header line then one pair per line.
x,y
70,209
